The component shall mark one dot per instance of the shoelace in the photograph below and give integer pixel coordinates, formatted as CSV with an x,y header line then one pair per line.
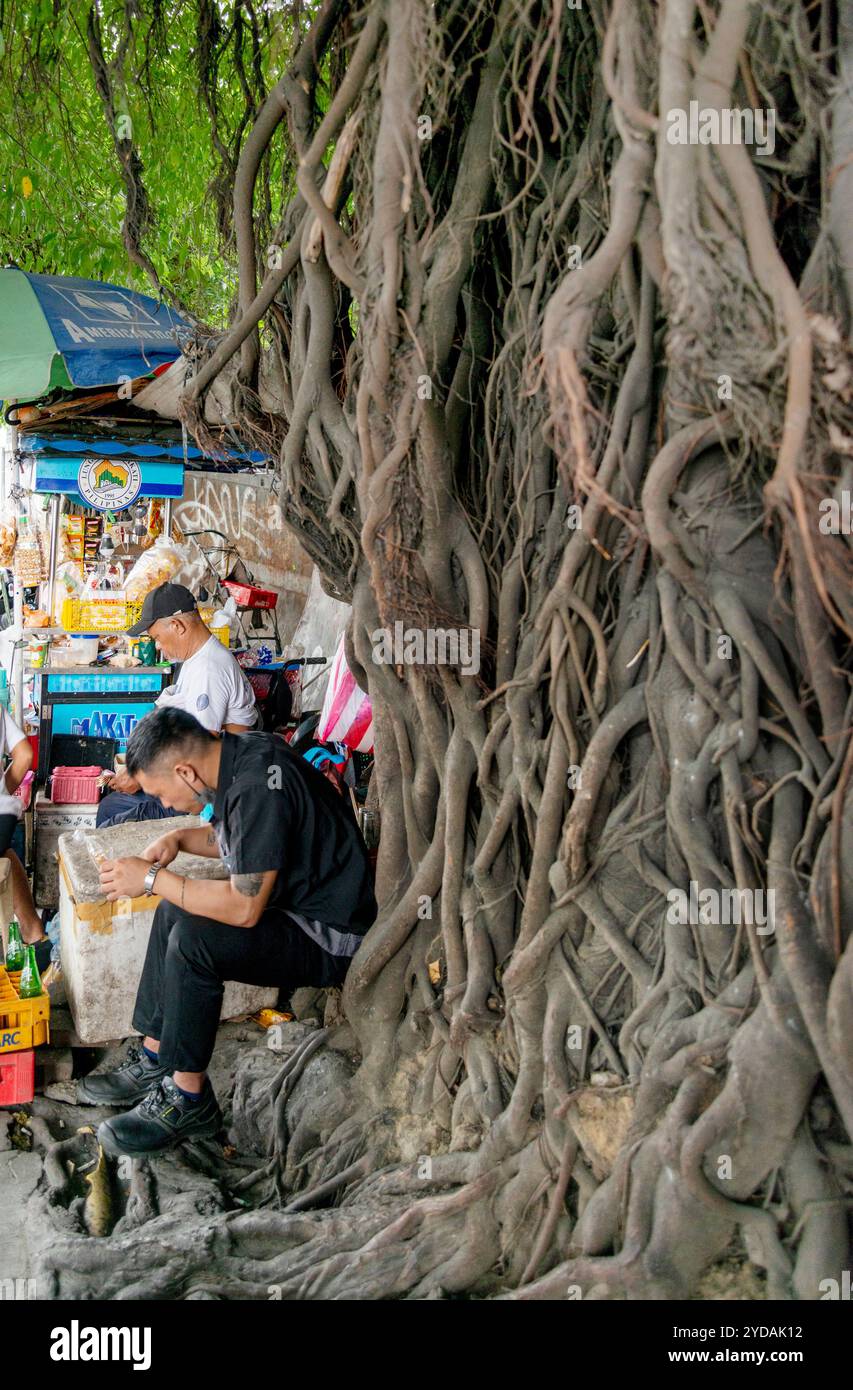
x,y
156,1099
134,1055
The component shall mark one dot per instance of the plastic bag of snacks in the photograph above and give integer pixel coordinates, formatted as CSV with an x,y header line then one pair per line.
x,y
36,617
8,537
28,560
156,566
71,540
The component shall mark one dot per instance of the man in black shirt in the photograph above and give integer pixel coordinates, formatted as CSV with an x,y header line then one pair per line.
x,y
293,911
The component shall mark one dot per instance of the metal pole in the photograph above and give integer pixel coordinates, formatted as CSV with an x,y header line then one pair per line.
x,y
17,600
167,519
54,541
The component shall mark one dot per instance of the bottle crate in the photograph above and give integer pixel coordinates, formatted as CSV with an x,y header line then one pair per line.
x,y
24,1023
18,1078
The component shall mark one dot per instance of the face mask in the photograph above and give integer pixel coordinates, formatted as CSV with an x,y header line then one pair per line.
x,y
206,813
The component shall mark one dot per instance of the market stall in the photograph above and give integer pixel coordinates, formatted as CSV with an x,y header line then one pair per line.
x,y
88,480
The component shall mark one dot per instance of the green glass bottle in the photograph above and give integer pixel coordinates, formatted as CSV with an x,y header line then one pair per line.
x,y
15,950
30,986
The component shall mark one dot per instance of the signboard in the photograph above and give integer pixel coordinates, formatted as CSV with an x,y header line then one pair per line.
x,y
109,485
100,719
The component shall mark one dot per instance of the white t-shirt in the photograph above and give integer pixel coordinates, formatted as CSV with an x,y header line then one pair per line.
x,y
10,737
212,687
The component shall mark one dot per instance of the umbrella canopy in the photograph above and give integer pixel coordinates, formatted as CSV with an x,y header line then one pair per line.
x,y
59,331
42,444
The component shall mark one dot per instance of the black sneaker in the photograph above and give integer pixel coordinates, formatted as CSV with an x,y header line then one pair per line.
x,y
162,1119
129,1083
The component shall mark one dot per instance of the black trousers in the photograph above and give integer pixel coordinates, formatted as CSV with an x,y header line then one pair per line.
x,y
189,959
117,807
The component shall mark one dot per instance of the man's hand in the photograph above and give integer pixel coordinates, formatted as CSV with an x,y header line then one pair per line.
x,y
164,850
123,782
124,878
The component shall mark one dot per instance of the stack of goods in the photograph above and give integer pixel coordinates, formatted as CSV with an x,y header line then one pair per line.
x,y
28,560
71,543
24,1019
92,530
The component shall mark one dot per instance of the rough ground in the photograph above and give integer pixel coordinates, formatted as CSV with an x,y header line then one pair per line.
x,y
151,1212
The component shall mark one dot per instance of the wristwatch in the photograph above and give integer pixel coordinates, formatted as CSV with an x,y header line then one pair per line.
x,y
148,881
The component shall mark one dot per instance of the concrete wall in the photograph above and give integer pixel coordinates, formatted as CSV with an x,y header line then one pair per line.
x,y
251,519
309,621
317,634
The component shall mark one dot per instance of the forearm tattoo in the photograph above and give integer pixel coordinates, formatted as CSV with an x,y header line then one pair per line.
x,y
248,884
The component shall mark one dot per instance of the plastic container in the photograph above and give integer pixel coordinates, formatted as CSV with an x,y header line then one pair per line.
x,y
18,1078
37,652
219,630
99,614
63,659
85,649
250,596
23,1022
75,784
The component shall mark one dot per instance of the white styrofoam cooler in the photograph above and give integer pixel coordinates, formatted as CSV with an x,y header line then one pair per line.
x,y
53,819
103,948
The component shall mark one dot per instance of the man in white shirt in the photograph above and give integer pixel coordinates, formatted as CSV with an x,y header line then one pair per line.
x,y
15,744
210,685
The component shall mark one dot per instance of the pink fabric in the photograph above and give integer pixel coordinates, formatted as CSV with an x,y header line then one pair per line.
x,y
346,716
25,790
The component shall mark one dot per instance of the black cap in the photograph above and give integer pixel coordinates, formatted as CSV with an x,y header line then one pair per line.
x,y
166,601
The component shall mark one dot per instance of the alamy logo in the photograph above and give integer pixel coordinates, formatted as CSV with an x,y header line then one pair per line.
x,y
427,646
15,1290
722,907
708,125
830,1288
76,1343
836,515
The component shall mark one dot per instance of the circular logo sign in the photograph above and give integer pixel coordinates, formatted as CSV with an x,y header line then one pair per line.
x,y
109,485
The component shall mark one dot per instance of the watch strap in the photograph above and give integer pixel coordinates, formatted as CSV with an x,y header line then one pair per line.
x,y
150,877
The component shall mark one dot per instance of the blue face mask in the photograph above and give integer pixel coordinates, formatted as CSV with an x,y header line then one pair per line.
x,y
207,814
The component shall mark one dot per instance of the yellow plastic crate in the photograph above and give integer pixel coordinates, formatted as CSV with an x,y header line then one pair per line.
x,y
222,634
23,1022
99,615
117,615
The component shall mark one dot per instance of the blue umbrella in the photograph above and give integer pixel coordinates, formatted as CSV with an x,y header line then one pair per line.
x,y
57,331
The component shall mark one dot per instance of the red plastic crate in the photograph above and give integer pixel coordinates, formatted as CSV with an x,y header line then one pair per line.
x,y
75,784
249,595
17,1077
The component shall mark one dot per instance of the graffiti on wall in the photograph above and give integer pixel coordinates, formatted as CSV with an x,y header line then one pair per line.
x,y
251,519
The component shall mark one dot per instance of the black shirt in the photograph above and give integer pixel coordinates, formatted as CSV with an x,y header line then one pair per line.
x,y
274,811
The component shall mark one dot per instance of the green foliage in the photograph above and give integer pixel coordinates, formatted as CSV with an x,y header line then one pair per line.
x,y
175,71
